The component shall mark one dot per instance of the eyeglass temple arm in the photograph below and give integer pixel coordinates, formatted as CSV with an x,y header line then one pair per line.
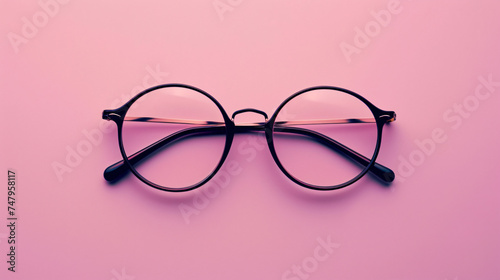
x,y
278,123
119,169
380,171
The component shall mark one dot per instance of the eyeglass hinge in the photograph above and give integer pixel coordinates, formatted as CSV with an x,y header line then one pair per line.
x,y
388,116
109,114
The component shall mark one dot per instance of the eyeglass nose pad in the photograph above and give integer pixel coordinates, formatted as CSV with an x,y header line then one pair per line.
x,y
249,110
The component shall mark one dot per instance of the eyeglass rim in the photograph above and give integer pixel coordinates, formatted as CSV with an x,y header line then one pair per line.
x,y
122,111
377,113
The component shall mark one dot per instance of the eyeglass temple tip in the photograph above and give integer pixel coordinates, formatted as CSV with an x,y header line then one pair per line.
x,y
383,173
115,171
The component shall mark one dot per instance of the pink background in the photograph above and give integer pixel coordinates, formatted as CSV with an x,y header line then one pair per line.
x,y
439,220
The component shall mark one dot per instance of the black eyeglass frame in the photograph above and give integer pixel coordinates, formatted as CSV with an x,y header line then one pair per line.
x,y
117,170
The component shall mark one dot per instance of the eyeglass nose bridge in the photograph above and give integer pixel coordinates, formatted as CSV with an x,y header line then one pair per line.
x,y
249,110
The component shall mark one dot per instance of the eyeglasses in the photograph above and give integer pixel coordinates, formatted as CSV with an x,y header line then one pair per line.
x,y
175,137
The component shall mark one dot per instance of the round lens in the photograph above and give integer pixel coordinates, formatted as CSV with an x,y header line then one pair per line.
x,y
174,136
318,133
